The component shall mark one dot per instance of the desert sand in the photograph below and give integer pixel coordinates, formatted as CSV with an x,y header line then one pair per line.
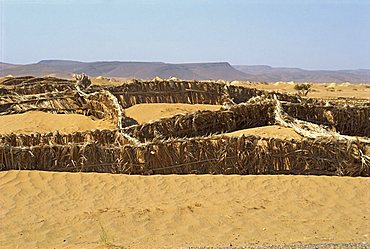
x,y
37,121
115,81
274,131
89,210
319,90
143,113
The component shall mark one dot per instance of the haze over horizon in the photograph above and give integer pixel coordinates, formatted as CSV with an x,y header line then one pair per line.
x,y
311,34
181,63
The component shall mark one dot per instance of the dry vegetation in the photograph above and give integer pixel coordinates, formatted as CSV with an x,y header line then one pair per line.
x,y
183,127
185,142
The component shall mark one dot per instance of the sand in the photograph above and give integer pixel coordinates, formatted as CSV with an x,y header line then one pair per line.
x,y
274,131
36,121
89,210
319,90
143,113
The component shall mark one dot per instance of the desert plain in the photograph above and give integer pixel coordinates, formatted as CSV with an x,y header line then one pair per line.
x,y
41,209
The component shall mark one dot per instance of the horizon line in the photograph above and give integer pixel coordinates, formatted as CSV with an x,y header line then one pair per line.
x,y
180,63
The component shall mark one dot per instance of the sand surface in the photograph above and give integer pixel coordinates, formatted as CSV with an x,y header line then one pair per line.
x,y
319,90
36,121
143,113
274,131
87,210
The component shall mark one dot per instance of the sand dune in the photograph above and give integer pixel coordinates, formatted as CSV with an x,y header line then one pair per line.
x,y
143,113
274,131
87,210
36,121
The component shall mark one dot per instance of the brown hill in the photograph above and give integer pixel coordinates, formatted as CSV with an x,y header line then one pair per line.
x,y
186,71
142,70
271,74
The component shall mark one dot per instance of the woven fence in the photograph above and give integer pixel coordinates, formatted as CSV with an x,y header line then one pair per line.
x,y
59,102
354,121
203,123
99,105
101,137
189,92
209,155
169,92
32,85
348,120
179,144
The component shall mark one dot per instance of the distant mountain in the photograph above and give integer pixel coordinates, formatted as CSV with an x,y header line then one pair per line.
x,y
141,70
267,73
187,71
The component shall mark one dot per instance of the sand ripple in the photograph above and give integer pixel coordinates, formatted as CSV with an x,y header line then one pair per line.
x,y
87,210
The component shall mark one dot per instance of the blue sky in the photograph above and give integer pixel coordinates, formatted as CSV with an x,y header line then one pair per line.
x,y
310,34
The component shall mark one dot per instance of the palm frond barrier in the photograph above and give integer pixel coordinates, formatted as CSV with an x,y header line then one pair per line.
x,y
186,143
